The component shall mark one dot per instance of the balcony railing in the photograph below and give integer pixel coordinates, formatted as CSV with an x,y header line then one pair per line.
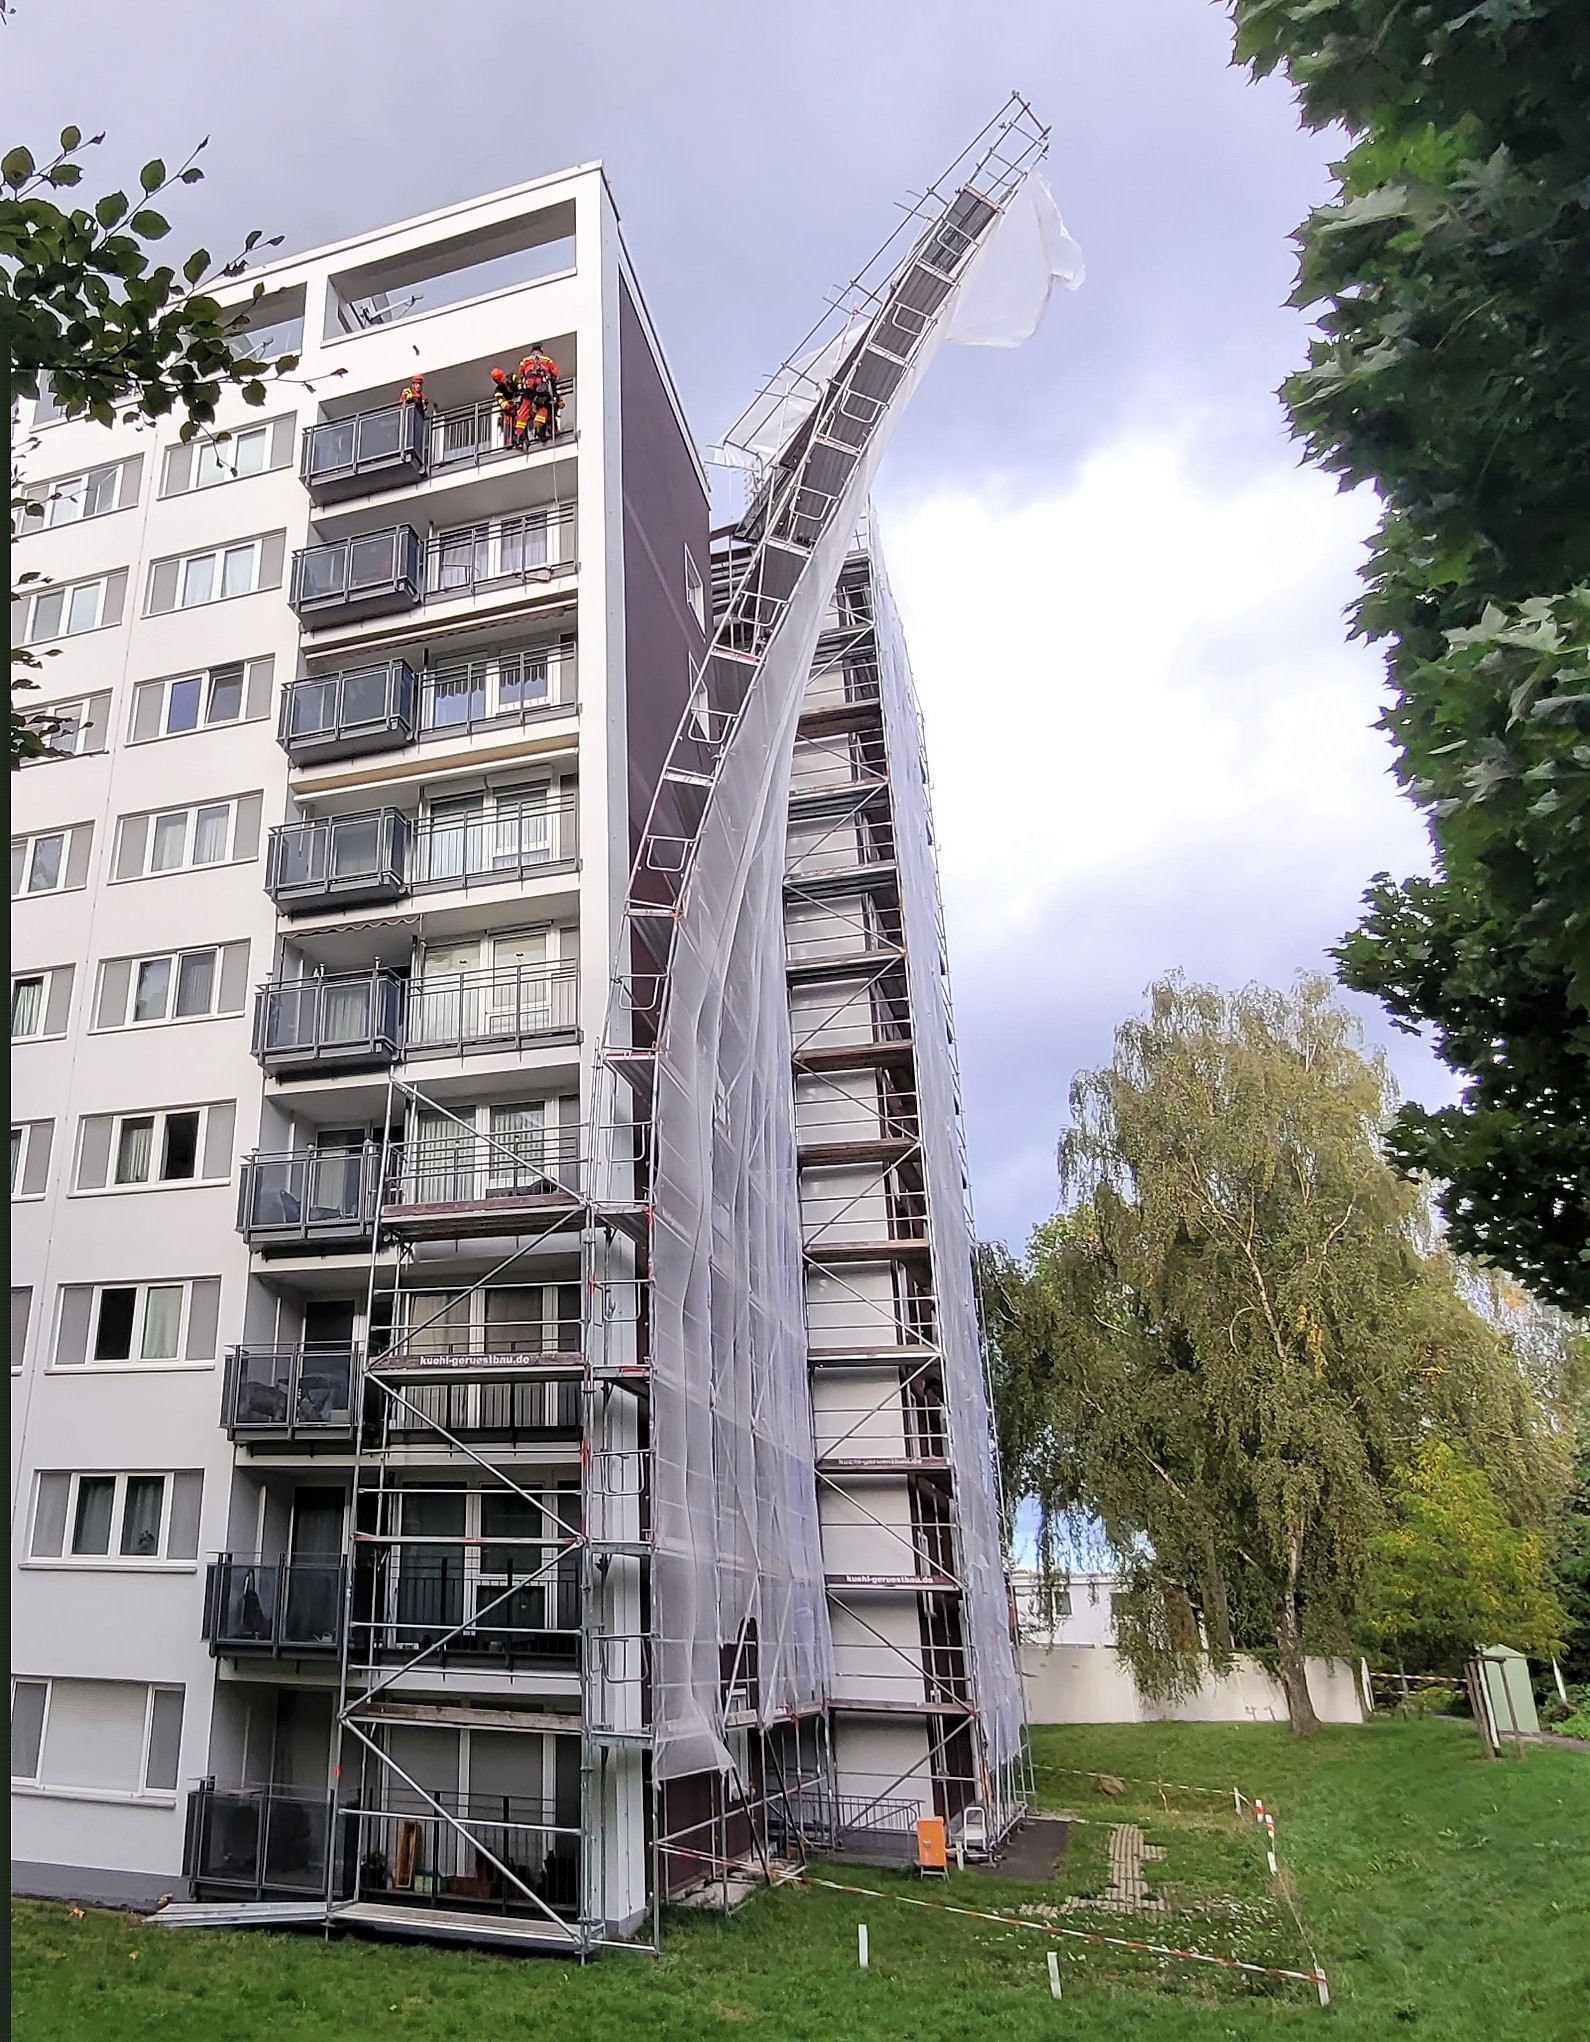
x,y
346,1022
384,706
472,433
339,861
250,1842
500,552
505,1410
369,576
310,1198
291,1607
513,842
524,1166
359,455
342,715
425,1860
498,1609
290,1395
480,1009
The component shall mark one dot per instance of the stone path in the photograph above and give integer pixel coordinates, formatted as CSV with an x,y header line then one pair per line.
x,y
1128,1889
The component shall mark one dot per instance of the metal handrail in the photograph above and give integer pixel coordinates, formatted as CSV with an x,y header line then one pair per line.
x,y
513,842
456,1168
322,1019
493,552
448,1009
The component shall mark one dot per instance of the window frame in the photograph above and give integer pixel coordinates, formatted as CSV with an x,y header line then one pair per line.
x,y
161,1116
60,488
205,679
45,974
695,590
134,1359
217,556
113,1556
209,445
66,590
75,711
189,815
175,959
143,1794
29,847
19,1169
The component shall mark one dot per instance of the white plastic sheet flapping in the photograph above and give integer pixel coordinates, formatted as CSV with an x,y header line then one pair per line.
x,y
1005,297
996,1681
735,1525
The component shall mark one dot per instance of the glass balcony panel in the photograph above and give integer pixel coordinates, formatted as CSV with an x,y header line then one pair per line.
x,y
322,572
365,695
382,433
331,447
372,561
312,708
355,847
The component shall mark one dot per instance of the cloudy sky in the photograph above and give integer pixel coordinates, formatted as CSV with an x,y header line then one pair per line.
x,y
1152,746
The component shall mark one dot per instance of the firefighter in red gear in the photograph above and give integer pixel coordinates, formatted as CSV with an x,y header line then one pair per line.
x,y
507,392
413,392
538,379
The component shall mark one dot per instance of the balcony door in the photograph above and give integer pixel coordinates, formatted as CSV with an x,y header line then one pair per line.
x,y
444,1161
338,1173
517,1154
453,835
444,1011
522,827
315,1568
521,990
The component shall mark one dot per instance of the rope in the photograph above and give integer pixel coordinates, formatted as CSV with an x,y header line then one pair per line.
x,y
1316,1978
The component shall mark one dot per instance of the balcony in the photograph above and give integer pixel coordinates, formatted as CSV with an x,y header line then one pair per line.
x,y
310,1199
344,715
357,456
289,1608
474,1010
338,861
254,1843
499,552
524,1614
513,841
455,1183
348,579
290,1396
352,1021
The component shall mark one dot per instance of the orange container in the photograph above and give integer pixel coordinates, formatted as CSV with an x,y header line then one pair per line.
x,y
932,1854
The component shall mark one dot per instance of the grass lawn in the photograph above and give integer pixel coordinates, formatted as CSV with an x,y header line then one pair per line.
x,y
1446,1898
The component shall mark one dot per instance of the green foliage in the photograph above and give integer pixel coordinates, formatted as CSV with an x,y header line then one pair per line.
x,y
1241,1328
1450,282
82,303
1450,1574
1572,1563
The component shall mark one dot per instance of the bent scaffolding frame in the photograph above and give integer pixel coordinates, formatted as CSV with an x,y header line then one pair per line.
x,y
650,1700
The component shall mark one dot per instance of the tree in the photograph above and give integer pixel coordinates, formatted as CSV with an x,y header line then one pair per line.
x,y
1240,1327
82,303
1450,281
1451,1574
1571,1568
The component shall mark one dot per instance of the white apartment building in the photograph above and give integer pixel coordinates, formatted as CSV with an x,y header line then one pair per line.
x,y
347,1573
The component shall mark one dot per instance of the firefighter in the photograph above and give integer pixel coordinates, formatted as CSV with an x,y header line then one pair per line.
x,y
538,378
507,392
413,392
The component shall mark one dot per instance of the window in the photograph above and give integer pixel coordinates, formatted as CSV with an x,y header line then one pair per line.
x,y
70,499
173,1145
96,1739
695,592
236,693
51,862
80,727
40,1001
113,1518
203,464
179,985
216,575
21,1312
138,1325
46,409
66,611
30,1157
182,839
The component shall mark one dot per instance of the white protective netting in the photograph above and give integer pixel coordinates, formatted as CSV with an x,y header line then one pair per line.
x,y
996,1681
735,1532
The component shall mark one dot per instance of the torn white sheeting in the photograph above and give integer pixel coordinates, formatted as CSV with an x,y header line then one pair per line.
x,y
1005,297
767,426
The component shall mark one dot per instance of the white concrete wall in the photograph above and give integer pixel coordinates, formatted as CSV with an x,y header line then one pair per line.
x,y
1093,1684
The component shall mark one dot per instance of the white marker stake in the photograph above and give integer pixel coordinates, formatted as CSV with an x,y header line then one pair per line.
x,y
1271,1856
861,1944
1054,1974
1324,1989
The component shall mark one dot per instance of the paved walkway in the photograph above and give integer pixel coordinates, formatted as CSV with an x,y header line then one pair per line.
x,y
1127,1892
